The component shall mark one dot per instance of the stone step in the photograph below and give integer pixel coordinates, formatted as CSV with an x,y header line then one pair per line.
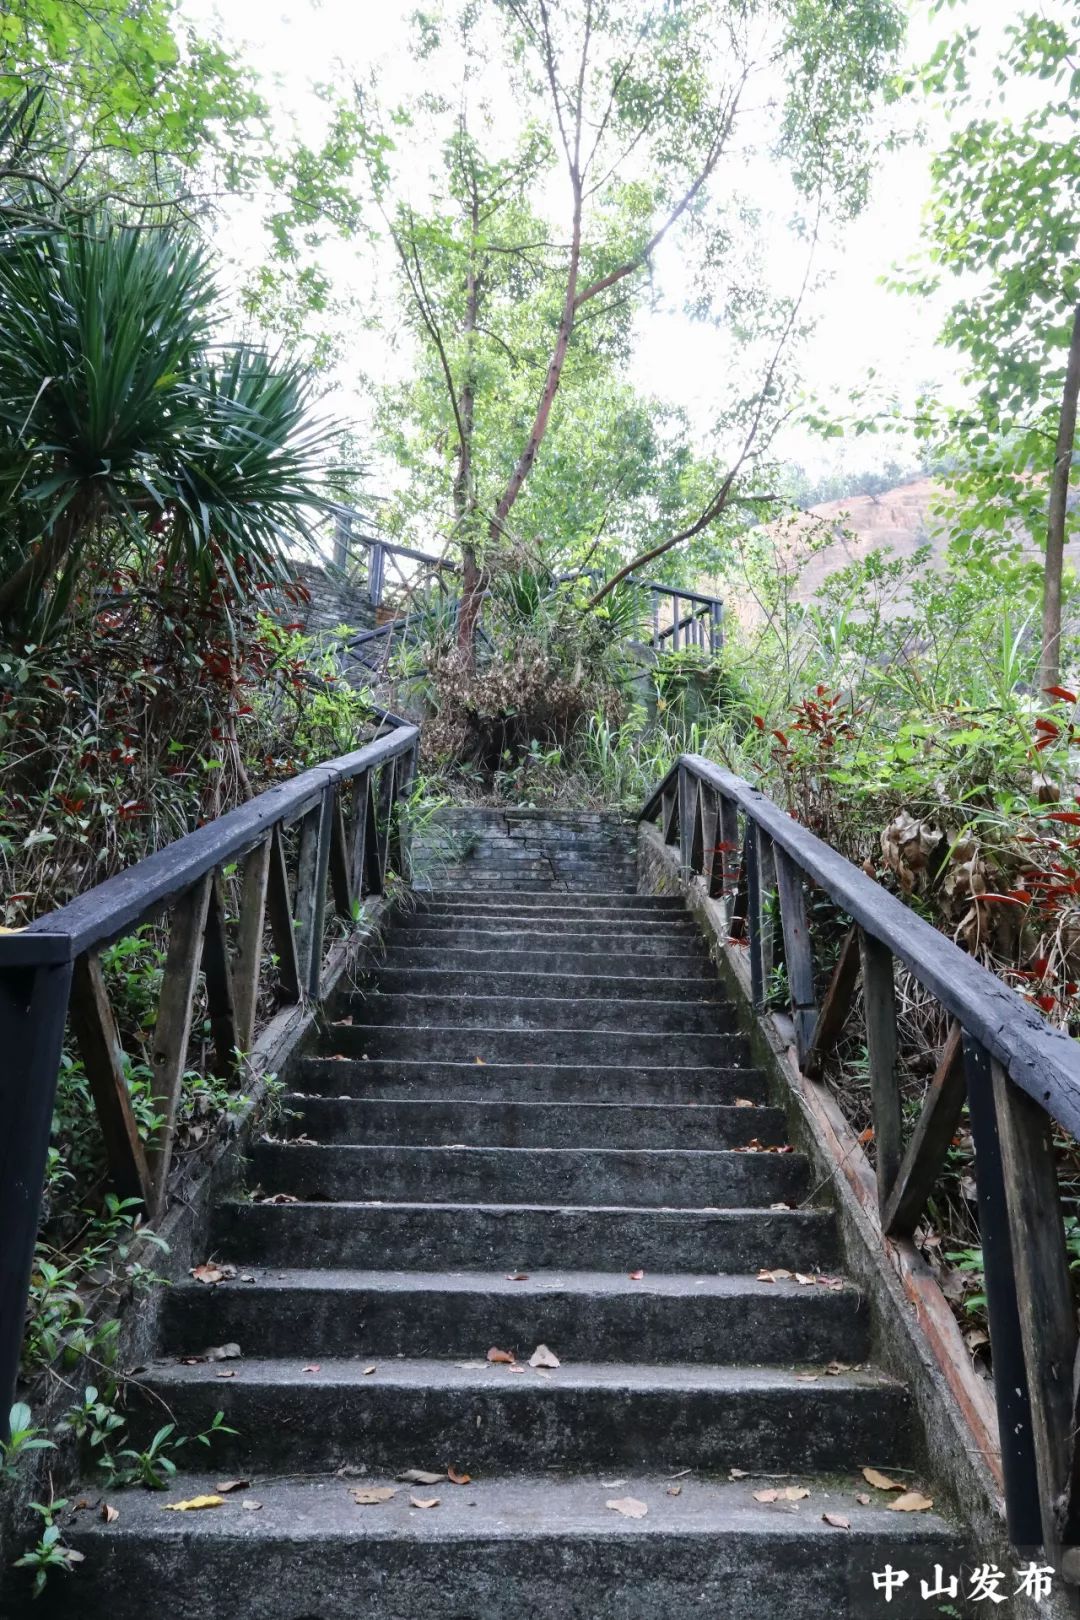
x,y
466,878
540,1547
656,966
537,986
583,1316
493,1122
481,1010
649,1177
526,1236
529,1082
416,1412
451,900
682,945
498,919
462,1043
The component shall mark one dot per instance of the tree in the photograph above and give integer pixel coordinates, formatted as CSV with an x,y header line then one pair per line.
x,y
127,438
1004,216
638,118
105,103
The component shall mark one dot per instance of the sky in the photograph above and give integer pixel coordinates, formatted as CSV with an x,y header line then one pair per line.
x,y
860,324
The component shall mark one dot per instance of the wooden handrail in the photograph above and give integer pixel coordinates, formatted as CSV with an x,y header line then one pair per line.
x,y
1020,1077
352,833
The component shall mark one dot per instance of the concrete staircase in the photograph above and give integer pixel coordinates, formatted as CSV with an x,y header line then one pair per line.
x,y
535,1125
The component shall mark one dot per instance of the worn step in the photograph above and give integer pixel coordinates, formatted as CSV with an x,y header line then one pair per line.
x,y
541,987
615,947
543,1547
619,900
526,1236
482,1010
493,1122
529,1082
465,1043
659,968
650,1177
477,1415
581,1316
494,915
663,926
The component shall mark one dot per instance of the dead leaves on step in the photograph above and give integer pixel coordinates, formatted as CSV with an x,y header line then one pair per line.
x,y
803,1278
631,1507
909,1501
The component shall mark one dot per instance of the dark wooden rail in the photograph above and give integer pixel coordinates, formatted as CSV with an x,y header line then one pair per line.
x,y
1019,1075
351,831
696,619
348,540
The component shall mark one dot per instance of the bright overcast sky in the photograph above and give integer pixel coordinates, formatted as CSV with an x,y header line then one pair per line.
x,y
860,324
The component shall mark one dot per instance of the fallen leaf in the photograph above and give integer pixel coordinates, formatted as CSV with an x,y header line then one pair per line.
x,y
517,1276
223,1352
880,1482
795,1493
862,1499
629,1506
775,1276
423,1501
109,1513
806,1378
674,1490
543,1357
912,1502
224,1486
481,1060
506,1357
837,1521
193,1503
312,1366
374,1494
472,1366
369,1370
780,1206
737,1473
636,1276
458,1479
280,1198
744,1102
211,1272
766,1496
420,1476
835,1368
835,1283
803,1280
226,1373
250,1505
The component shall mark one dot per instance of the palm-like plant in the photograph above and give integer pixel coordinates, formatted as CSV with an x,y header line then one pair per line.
x,y
123,436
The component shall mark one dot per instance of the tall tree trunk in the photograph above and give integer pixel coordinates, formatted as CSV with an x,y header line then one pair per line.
x,y
473,576
1050,662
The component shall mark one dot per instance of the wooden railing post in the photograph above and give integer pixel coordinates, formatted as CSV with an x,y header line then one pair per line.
x,y
752,874
33,1008
1022,1508
798,954
687,818
1041,1267
879,1002
168,1051
94,1028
